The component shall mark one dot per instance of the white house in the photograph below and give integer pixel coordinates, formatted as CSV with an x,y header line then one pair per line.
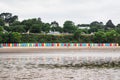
x,y
83,26
54,33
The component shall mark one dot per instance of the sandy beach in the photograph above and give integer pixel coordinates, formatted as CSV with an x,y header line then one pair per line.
x,y
53,49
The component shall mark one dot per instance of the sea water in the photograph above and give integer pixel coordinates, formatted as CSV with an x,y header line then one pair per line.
x,y
71,65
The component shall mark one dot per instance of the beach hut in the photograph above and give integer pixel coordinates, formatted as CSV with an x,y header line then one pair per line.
x,y
84,44
58,44
43,44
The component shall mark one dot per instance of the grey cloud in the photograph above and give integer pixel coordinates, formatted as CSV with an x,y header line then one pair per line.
x,y
80,11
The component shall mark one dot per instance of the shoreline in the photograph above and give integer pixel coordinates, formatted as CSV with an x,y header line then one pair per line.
x,y
54,49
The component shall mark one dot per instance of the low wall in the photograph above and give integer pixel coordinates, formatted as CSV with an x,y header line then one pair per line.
x,y
58,44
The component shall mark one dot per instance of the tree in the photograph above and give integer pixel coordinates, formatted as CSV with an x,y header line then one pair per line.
x,y
30,22
69,27
16,23
96,26
1,37
4,37
99,37
1,22
5,16
109,25
13,18
118,28
1,28
18,28
8,18
36,28
99,25
85,31
111,36
7,28
15,37
93,29
77,34
58,29
46,27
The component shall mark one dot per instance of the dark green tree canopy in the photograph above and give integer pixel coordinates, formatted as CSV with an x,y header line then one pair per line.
x,y
18,28
36,28
96,26
69,27
109,25
30,22
8,18
77,34
46,27
1,28
1,22
15,37
99,37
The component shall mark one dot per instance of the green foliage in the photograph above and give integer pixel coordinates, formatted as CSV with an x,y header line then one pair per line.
x,y
108,33
96,26
109,25
4,37
1,29
16,23
29,38
15,37
10,37
111,36
18,28
99,37
8,18
87,39
36,28
86,31
117,29
7,28
69,27
77,34
1,22
93,29
1,37
46,27
47,38
58,29
30,23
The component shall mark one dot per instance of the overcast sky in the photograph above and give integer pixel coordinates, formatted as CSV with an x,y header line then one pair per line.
x,y
79,11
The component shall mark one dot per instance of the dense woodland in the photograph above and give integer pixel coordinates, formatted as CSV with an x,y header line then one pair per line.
x,y
34,31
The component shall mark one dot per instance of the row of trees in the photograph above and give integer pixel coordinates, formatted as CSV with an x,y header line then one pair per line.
x,y
10,23
11,30
99,37
110,36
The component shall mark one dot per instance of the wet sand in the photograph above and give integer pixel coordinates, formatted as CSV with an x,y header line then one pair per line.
x,y
58,49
